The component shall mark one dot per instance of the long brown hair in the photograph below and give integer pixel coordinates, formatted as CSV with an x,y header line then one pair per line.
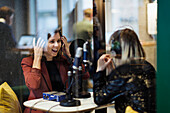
x,y
130,46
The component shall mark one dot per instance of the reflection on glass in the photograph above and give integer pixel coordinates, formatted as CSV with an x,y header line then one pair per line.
x,y
72,12
135,16
118,13
46,17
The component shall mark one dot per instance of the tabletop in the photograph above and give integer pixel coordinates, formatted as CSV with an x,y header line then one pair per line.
x,y
87,104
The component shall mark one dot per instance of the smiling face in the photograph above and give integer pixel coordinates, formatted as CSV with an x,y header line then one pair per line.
x,y
53,46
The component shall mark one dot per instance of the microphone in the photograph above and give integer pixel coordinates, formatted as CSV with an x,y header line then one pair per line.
x,y
78,74
77,58
79,91
86,60
69,101
69,85
80,79
85,54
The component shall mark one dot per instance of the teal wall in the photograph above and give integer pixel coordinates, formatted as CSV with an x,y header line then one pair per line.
x,y
163,57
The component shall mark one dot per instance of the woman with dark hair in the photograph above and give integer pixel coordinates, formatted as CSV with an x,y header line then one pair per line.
x,y
47,69
131,79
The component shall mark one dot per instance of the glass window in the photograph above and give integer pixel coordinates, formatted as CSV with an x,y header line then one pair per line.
x,y
137,16
118,13
47,20
72,12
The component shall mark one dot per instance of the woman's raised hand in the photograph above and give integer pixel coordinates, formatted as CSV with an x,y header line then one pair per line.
x,y
38,52
38,48
103,62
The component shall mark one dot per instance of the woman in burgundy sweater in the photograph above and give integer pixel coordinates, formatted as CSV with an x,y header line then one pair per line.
x,y
47,69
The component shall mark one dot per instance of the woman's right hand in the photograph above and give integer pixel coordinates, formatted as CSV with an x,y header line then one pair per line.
x,y
38,52
103,62
38,48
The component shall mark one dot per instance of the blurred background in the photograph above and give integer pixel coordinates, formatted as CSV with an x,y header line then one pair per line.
x,y
36,18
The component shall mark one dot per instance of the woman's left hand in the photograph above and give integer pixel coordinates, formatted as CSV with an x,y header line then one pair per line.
x,y
65,46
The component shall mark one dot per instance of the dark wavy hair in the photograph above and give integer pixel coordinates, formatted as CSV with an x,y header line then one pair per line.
x,y
58,30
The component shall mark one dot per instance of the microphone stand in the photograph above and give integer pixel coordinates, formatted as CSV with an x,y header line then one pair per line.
x,y
69,101
80,93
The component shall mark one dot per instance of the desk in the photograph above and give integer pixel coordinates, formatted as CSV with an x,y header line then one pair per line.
x,y
24,50
87,104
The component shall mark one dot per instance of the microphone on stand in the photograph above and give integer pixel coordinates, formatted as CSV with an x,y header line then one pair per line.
x,y
80,82
69,101
79,91
86,52
77,58
69,85
85,55
77,62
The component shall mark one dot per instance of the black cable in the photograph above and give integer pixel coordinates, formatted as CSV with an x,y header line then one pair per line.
x,y
35,104
51,108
